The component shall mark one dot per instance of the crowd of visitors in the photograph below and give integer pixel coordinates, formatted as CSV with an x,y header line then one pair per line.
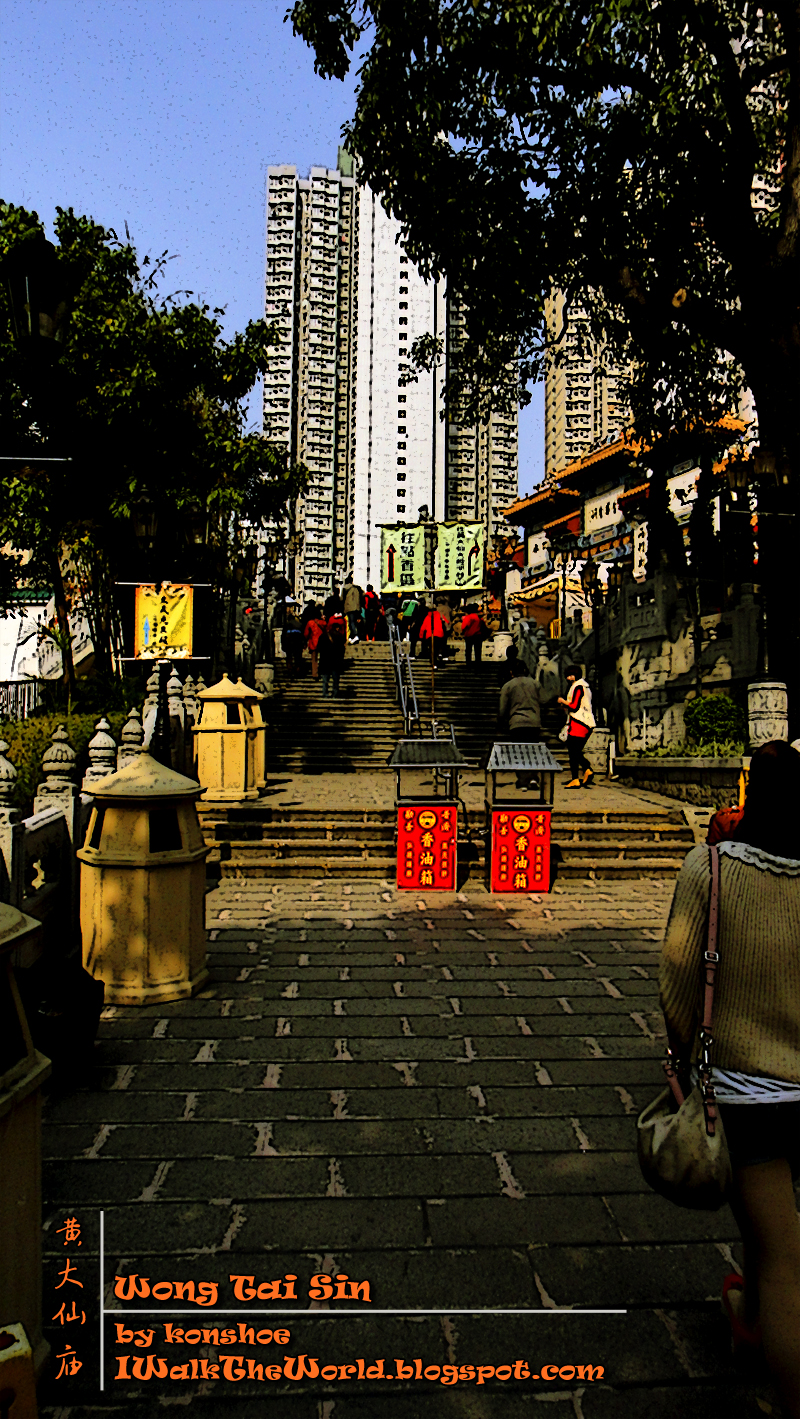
x,y
428,626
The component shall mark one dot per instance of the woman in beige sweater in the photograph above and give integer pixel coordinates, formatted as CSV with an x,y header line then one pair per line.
x,y
756,1052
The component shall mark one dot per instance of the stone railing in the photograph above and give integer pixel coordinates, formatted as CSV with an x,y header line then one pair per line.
x,y
18,698
39,872
38,869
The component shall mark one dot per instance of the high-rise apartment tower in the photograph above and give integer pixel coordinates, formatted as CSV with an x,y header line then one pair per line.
x,y
348,304
582,401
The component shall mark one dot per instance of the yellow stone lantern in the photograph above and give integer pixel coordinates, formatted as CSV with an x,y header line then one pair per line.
x,y
143,886
231,748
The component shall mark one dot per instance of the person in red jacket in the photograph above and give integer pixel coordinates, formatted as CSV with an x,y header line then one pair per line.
x,y
314,628
372,606
578,705
331,653
472,629
433,628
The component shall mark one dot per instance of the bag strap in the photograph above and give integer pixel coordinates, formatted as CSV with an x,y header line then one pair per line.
x,y
710,964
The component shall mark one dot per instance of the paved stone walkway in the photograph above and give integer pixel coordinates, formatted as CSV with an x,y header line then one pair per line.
x,y
433,1094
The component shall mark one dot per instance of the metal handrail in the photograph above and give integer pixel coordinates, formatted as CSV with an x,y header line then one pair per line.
x,y
406,694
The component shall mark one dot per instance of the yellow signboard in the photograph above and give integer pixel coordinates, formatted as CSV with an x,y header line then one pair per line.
x,y
163,622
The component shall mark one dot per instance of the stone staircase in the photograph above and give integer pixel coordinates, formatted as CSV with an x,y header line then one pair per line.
x,y
357,731
264,842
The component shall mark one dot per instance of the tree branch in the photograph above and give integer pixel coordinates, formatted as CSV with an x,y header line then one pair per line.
x,y
754,74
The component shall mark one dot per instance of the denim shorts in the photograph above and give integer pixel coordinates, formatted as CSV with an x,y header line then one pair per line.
x,y
757,1133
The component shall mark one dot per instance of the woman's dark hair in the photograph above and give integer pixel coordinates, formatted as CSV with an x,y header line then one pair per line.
x,y
771,817
571,670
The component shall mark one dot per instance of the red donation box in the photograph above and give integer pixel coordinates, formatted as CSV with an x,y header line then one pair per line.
x,y
520,850
426,845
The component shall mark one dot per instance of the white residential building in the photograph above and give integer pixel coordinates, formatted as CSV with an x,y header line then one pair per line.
x,y
399,456
349,305
308,388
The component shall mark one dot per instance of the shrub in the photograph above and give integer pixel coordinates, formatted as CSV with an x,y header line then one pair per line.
x,y
714,718
28,739
716,749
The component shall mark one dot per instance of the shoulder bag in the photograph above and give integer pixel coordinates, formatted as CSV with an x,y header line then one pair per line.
x,y
682,1152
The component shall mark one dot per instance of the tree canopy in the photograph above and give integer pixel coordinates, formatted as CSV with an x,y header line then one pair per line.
x,y
146,401
641,155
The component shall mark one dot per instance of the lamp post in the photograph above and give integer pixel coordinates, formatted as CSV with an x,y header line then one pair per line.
x,y
39,288
145,520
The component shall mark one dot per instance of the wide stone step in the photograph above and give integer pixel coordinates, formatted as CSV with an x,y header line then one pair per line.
x,y
282,847
385,868
315,836
266,815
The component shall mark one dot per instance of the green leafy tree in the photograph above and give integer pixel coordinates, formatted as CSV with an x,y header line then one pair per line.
x,y
714,717
146,401
643,157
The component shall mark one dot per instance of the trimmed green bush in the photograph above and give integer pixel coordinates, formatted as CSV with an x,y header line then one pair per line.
x,y
716,749
28,739
714,718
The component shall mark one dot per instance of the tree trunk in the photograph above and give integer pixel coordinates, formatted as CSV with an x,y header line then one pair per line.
x,y
62,616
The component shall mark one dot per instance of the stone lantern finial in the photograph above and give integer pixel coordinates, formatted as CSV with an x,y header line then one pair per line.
x,y
102,755
58,766
131,739
8,777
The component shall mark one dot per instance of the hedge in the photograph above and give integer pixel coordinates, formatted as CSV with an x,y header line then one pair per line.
x,y
28,739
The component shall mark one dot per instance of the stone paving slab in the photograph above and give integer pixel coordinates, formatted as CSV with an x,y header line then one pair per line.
x,y
728,1399
466,1139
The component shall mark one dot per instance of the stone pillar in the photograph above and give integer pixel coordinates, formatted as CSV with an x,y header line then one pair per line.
x,y
9,827
264,679
150,708
191,714
190,702
131,739
59,789
102,755
160,739
597,750
177,717
767,712
502,640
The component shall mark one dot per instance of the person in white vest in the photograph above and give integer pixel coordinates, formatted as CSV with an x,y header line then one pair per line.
x,y
578,705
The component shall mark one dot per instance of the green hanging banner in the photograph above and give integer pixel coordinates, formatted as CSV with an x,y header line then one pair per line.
x,y
402,558
460,548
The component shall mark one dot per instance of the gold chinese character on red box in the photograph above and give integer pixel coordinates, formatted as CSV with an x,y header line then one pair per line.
x,y
525,866
426,846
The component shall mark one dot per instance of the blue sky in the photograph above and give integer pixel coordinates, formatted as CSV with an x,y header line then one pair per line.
x,y
166,116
